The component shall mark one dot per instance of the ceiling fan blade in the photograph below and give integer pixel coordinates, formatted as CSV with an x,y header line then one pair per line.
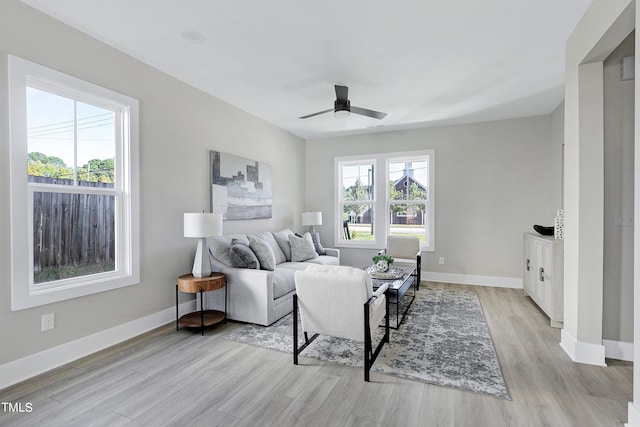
x,y
369,113
315,114
342,94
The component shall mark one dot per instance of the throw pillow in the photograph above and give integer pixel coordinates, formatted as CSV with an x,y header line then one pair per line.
x,y
264,252
282,238
316,243
302,248
242,256
267,236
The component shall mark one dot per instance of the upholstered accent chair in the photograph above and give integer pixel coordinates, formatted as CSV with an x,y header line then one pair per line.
x,y
405,251
339,301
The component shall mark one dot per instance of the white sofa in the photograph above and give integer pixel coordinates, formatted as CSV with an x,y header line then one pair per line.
x,y
256,295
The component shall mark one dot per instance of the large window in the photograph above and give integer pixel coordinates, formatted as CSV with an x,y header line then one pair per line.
x,y
403,205
74,187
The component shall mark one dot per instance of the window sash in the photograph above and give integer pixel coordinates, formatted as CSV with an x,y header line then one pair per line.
x,y
25,294
381,199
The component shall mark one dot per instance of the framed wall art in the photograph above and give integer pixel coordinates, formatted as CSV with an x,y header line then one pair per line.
x,y
240,188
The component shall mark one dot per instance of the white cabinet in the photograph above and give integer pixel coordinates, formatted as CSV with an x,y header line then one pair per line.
x,y
543,274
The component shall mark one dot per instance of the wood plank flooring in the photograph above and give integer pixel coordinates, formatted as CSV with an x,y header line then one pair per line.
x,y
183,379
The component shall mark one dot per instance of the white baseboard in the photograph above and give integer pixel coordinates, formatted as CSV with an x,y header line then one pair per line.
x,y
582,352
470,279
618,350
633,415
22,369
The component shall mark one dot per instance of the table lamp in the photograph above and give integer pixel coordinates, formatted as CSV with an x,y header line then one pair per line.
x,y
311,219
202,225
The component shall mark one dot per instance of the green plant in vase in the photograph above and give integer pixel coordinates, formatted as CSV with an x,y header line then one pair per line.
x,y
382,262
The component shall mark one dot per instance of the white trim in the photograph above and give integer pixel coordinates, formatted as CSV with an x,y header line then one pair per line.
x,y
618,350
471,279
633,415
582,352
24,294
22,369
380,202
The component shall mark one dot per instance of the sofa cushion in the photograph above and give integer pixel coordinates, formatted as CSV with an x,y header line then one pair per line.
x,y
324,260
283,282
302,248
264,252
267,236
282,239
242,256
295,265
219,247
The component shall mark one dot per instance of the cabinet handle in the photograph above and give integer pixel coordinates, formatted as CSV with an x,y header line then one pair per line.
x,y
541,274
528,264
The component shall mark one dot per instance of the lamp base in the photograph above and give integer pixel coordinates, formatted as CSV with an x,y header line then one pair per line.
x,y
201,262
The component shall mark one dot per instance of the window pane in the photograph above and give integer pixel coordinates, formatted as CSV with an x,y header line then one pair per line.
x,y
408,220
358,221
50,133
408,180
96,144
357,182
73,235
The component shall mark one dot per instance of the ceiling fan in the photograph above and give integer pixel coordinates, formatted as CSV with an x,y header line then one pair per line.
x,y
342,105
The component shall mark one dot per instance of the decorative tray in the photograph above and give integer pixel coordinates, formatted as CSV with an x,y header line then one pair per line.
x,y
391,274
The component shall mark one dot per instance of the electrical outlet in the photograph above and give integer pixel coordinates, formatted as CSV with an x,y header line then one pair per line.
x,y
48,322
441,260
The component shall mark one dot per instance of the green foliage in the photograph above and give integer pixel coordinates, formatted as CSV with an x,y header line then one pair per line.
x,y
384,257
39,164
356,192
97,171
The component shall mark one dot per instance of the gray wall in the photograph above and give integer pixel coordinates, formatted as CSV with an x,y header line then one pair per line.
x,y
618,198
178,127
557,153
494,180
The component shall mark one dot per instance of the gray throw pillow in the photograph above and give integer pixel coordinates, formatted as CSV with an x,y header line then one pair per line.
x,y
302,248
316,243
282,238
264,252
242,256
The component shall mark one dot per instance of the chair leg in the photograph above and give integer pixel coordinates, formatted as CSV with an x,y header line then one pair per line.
x,y
295,329
418,270
367,343
298,349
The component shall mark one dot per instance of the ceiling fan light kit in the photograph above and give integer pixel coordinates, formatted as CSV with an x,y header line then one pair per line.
x,y
342,107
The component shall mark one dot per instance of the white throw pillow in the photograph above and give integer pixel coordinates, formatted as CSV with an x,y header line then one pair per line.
x,y
302,248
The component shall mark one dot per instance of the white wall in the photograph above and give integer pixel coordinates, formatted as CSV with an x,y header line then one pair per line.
x,y
618,198
178,127
605,25
494,181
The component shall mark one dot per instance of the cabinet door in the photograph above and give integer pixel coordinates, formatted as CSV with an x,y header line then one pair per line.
x,y
528,265
546,278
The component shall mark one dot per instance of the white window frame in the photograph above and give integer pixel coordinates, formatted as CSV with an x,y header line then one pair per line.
x,y
381,200
24,293
339,236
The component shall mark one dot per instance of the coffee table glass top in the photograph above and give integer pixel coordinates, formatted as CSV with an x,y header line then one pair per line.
x,y
399,284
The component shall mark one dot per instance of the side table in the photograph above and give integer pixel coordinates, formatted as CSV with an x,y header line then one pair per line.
x,y
189,284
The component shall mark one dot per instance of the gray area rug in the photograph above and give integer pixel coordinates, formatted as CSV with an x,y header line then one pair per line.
x,y
444,340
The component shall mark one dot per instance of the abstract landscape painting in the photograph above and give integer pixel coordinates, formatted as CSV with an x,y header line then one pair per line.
x,y
240,188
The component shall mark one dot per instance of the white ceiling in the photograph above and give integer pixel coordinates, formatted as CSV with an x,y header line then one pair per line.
x,y
424,62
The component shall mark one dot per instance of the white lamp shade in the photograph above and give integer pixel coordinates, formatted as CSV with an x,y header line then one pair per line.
x,y
312,218
202,224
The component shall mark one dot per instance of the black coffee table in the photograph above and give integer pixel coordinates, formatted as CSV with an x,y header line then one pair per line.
x,y
399,296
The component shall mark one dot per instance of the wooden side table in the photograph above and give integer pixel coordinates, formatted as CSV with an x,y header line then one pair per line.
x,y
189,284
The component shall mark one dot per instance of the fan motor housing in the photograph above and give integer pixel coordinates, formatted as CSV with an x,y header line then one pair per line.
x,y
341,106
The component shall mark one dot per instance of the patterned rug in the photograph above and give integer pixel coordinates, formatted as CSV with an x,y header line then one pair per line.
x,y
443,340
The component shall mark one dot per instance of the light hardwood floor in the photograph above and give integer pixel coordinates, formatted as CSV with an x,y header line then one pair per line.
x,y
183,379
